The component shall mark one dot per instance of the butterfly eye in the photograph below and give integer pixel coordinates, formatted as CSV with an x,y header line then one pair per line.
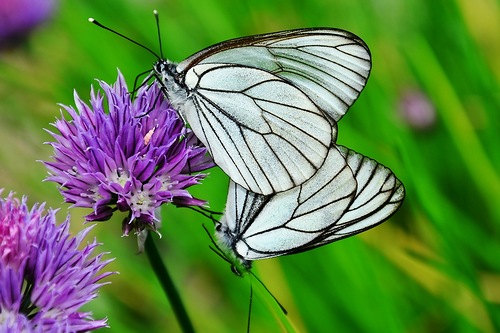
x,y
160,66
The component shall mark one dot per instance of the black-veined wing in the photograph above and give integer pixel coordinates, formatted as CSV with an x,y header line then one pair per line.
x,y
262,131
330,66
349,194
378,195
266,106
256,226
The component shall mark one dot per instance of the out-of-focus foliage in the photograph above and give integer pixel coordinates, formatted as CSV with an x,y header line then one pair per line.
x,y
433,267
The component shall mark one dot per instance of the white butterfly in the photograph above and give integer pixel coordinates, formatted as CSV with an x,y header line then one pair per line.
x,y
266,106
349,194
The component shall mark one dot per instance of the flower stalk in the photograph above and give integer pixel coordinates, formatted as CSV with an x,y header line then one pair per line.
x,y
168,286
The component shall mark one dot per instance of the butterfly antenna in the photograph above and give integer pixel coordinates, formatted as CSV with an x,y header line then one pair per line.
x,y
250,308
155,12
269,292
221,253
91,20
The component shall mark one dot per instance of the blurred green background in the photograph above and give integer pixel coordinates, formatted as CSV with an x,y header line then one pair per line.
x,y
433,267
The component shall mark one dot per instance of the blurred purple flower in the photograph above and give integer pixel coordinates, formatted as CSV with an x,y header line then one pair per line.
x,y
416,109
19,17
44,277
132,159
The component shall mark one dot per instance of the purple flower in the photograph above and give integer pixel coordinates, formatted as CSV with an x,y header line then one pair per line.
x,y
44,277
416,109
133,158
19,17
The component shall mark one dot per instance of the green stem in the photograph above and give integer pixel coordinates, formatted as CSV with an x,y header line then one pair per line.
x,y
168,286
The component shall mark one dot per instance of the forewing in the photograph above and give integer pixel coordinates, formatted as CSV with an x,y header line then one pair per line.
x,y
330,66
288,221
379,194
261,130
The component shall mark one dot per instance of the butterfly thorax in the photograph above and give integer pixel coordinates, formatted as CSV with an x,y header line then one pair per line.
x,y
224,234
171,81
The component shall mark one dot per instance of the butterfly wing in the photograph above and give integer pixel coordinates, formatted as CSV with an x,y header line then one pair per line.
x,y
256,102
262,131
257,227
379,194
350,194
330,66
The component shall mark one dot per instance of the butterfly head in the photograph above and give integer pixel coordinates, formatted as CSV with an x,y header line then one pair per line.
x,y
223,234
166,73
165,70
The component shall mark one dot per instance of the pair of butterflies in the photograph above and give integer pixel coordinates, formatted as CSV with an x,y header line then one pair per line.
x,y
266,107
